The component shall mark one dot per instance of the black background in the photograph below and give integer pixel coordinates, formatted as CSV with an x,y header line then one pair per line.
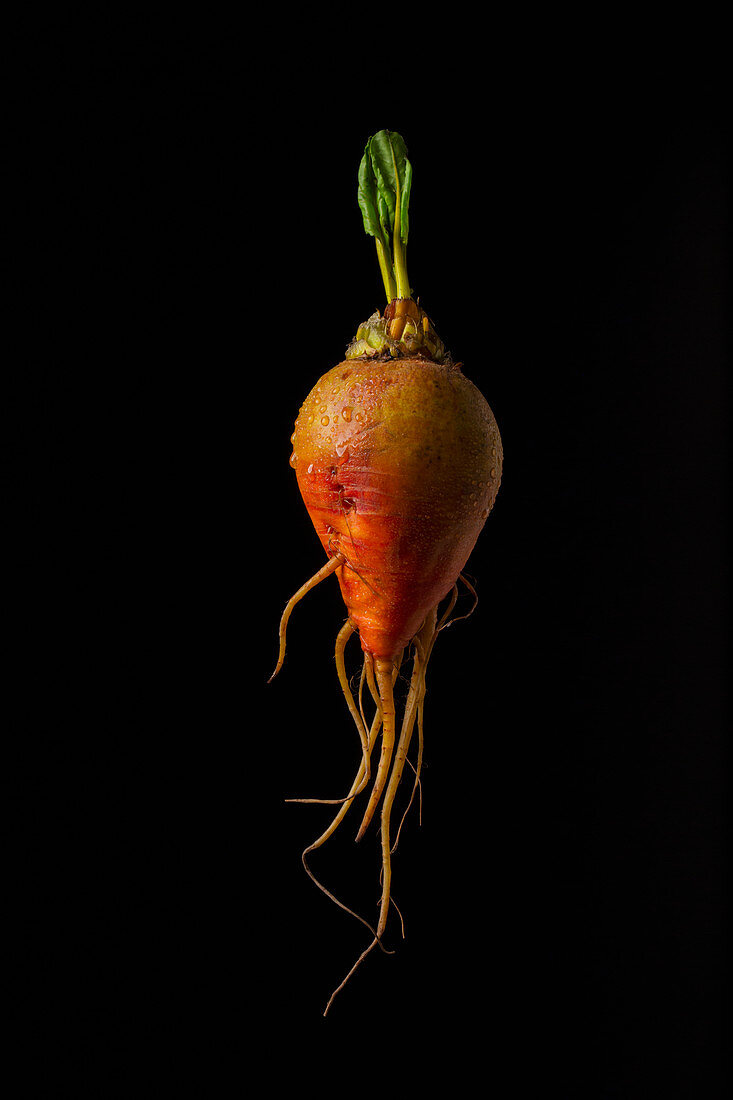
x,y
196,260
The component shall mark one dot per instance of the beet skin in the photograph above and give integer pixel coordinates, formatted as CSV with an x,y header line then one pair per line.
x,y
398,463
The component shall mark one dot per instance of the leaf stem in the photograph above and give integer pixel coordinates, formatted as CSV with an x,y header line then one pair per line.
x,y
400,264
386,268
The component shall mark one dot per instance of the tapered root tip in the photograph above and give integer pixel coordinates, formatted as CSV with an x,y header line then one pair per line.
x,y
356,965
281,650
331,565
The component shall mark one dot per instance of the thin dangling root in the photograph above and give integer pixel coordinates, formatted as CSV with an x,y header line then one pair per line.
x,y
362,678
343,636
429,641
396,907
451,604
380,675
356,965
423,644
385,683
383,670
408,719
416,698
445,621
330,567
357,785
471,609
399,914
341,904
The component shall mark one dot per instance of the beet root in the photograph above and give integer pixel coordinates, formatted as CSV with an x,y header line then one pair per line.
x,y
398,463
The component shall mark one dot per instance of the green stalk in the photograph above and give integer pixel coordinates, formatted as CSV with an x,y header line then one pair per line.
x,y
385,178
385,266
400,265
400,259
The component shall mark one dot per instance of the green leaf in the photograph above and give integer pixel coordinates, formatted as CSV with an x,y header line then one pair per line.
x,y
393,175
369,200
385,180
